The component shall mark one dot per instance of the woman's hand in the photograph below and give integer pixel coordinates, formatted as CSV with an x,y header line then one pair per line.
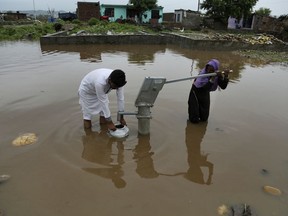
x,y
226,72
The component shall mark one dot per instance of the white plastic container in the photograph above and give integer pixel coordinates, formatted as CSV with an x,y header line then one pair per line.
x,y
120,132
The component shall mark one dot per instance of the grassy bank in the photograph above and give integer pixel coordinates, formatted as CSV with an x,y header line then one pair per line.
x,y
27,31
33,31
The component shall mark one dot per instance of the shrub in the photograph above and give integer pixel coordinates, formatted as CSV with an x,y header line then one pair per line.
x,y
57,27
76,21
93,21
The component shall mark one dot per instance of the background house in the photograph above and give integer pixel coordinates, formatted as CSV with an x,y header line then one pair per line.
x,y
179,14
114,12
127,12
181,18
10,16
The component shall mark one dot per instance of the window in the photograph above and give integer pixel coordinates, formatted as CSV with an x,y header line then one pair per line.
x,y
178,17
109,12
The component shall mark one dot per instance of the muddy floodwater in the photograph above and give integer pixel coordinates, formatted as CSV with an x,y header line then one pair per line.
x,y
179,169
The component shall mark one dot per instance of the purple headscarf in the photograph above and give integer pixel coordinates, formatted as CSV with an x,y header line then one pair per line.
x,y
201,81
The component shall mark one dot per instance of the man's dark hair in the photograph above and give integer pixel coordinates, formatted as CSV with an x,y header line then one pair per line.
x,y
118,78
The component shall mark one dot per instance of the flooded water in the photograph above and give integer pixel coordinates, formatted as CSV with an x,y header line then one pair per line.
x,y
179,169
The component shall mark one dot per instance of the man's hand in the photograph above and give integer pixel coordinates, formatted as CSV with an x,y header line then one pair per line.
x,y
111,126
122,121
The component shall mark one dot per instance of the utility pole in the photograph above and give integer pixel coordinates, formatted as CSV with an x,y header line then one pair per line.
x,y
198,6
34,10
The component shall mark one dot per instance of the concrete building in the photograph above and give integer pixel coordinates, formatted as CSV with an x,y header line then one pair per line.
x,y
113,12
10,16
179,15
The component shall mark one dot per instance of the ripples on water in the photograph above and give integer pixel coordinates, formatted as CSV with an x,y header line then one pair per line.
x,y
178,163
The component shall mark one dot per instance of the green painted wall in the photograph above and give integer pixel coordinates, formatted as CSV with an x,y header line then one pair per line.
x,y
121,11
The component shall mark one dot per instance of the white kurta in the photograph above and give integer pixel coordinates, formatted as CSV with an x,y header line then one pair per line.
x,y
93,94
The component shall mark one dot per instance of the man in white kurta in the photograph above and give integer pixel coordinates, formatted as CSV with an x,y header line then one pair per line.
x,y
93,95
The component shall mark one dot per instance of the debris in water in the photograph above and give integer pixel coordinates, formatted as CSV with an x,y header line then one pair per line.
x,y
264,172
4,178
222,210
25,139
235,210
272,190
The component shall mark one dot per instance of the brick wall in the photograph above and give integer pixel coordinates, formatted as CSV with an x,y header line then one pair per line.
x,y
88,10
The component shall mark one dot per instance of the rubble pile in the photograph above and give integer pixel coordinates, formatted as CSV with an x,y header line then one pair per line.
x,y
251,39
263,39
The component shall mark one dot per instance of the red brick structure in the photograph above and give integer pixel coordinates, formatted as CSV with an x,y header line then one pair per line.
x,y
88,10
14,16
168,17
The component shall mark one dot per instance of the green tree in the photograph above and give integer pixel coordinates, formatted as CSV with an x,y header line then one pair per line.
x,y
263,11
221,9
142,5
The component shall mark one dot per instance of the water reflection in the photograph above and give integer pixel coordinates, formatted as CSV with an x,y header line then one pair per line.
x,y
143,158
144,54
101,149
140,54
197,160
